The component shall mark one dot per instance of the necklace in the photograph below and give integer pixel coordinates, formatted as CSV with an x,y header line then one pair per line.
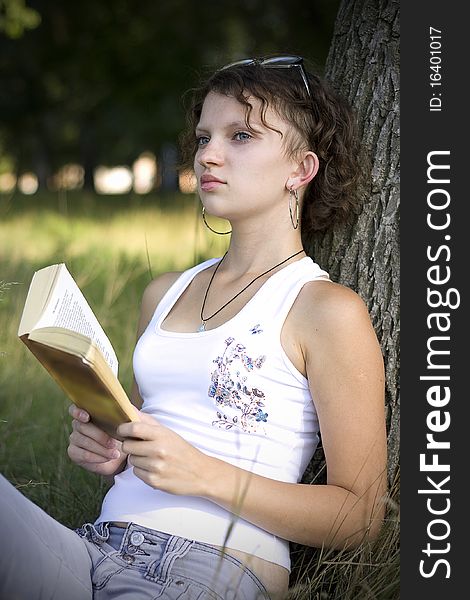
x,y
202,326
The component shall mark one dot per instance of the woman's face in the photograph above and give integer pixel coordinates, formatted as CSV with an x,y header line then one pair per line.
x,y
241,172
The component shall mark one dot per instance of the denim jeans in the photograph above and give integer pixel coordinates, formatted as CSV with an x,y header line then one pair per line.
x,y
43,560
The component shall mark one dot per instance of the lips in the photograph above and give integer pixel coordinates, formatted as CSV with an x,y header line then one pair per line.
x,y
210,182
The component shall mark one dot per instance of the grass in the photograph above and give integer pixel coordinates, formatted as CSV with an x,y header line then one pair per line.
x,y
114,246
370,572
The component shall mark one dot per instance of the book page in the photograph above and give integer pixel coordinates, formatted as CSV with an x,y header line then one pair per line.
x,y
68,308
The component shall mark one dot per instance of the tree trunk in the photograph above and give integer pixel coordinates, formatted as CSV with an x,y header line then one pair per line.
x,y
363,64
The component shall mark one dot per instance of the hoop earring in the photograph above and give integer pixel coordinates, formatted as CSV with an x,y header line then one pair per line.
x,y
294,220
209,227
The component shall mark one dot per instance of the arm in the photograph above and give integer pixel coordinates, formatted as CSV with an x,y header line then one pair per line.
x,y
330,333
90,447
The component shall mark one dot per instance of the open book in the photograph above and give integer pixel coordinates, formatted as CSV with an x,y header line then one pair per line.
x,y
60,329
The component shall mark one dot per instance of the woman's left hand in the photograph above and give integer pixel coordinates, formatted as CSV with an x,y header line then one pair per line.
x,y
162,458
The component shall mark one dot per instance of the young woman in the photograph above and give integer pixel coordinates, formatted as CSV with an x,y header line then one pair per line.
x,y
240,362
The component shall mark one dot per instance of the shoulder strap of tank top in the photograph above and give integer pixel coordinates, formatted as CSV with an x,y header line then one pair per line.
x,y
177,288
276,297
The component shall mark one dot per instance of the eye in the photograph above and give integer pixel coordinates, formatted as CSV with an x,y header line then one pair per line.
x,y
242,136
202,140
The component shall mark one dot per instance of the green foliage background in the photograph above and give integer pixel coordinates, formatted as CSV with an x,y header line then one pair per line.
x,y
100,82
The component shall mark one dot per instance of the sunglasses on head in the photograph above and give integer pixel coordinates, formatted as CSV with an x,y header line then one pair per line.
x,y
275,62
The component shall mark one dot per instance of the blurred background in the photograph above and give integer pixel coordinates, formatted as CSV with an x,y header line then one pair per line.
x,y
90,91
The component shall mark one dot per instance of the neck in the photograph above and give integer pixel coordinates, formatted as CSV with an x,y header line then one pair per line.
x,y
253,253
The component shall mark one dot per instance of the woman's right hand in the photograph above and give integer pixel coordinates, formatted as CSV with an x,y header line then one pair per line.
x,y
92,448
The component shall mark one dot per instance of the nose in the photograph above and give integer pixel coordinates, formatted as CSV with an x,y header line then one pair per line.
x,y
210,154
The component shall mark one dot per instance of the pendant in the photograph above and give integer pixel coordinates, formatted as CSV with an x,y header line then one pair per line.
x,y
202,327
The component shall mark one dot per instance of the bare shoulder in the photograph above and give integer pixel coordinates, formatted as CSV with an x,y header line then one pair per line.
x,y
152,295
158,287
338,343
331,322
325,306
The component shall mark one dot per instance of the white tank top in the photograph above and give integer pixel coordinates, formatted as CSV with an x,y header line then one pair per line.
x,y
233,393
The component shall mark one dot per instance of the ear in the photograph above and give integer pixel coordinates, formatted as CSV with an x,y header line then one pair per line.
x,y
305,171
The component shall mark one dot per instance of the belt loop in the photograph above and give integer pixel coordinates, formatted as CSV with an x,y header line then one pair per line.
x,y
97,534
176,547
103,530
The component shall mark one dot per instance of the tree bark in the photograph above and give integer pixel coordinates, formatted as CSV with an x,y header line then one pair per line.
x,y
363,65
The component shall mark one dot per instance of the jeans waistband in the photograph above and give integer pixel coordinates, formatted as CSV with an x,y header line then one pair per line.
x,y
161,556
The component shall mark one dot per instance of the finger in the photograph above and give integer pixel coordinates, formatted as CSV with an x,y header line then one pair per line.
x,y
148,473
82,456
95,433
147,463
86,443
78,413
146,418
146,477
142,448
139,430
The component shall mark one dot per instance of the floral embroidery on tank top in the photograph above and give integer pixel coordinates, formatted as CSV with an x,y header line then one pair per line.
x,y
237,404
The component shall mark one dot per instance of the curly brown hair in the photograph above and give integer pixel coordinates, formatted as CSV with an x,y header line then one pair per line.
x,y
324,122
